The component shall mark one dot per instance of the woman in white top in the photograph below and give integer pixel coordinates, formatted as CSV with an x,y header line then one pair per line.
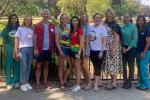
x,y
97,36
24,51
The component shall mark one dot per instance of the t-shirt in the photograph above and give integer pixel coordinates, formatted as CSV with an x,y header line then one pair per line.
x,y
75,40
25,35
95,36
64,36
46,37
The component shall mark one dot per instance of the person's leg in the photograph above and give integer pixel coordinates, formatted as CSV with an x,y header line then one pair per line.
x,y
61,70
23,69
86,73
144,71
131,60
29,62
16,77
38,75
97,68
9,63
45,72
138,58
77,63
124,59
68,69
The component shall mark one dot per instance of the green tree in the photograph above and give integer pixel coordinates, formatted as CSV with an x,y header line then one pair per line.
x,y
72,7
100,6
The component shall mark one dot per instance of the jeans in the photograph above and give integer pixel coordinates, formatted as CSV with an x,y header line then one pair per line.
x,y
26,56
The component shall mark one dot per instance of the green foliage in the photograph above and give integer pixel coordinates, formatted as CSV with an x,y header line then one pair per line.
x,y
100,6
72,7
128,6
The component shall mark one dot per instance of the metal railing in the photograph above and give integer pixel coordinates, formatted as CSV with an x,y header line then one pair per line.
x,y
104,76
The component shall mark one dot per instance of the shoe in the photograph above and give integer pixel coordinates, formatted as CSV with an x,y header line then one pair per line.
x,y
24,87
111,87
77,88
9,87
72,87
16,86
28,86
141,88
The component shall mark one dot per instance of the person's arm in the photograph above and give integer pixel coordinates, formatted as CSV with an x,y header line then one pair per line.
x,y
86,45
58,43
134,40
115,43
16,48
147,42
4,36
35,41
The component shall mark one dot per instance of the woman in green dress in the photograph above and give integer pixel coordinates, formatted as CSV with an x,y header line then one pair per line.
x,y
8,35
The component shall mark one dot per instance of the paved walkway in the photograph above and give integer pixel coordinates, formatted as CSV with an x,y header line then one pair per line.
x,y
56,94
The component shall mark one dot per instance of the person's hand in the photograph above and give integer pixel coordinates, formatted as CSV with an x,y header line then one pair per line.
x,y
78,55
36,52
61,53
112,52
124,50
86,54
100,55
142,55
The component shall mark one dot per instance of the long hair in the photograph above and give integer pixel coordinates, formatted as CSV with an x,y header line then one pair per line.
x,y
113,14
71,26
9,24
87,21
141,29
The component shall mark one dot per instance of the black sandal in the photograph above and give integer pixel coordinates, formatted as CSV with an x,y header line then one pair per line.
x,y
111,87
62,87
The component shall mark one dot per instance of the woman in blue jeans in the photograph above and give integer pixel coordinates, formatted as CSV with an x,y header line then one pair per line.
x,y
143,53
24,51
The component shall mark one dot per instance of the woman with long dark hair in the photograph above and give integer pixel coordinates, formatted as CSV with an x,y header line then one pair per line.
x,y
76,48
143,53
130,37
8,35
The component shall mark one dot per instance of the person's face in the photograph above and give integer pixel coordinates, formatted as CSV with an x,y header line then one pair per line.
x,y
97,19
127,18
140,21
28,21
84,18
64,19
75,22
46,15
13,20
109,16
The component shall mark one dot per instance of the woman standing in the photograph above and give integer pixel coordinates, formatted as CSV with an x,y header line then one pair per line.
x,y
97,36
8,35
113,61
24,51
63,46
129,44
77,44
143,53
85,60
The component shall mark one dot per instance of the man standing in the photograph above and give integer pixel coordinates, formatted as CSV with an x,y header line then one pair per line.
x,y
43,47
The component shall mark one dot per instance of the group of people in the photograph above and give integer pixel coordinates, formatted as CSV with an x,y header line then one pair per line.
x,y
110,47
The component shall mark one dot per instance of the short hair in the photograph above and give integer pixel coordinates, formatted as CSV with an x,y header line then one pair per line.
x,y
45,10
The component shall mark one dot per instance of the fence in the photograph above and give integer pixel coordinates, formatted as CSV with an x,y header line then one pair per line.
x,y
104,76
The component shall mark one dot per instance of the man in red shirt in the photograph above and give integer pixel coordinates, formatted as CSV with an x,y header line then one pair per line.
x,y
43,47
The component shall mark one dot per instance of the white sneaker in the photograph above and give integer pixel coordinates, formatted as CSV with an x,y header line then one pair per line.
x,y
9,87
28,86
24,87
77,88
72,87
16,86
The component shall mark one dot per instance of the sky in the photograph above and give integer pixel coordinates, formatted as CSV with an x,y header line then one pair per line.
x,y
146,2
